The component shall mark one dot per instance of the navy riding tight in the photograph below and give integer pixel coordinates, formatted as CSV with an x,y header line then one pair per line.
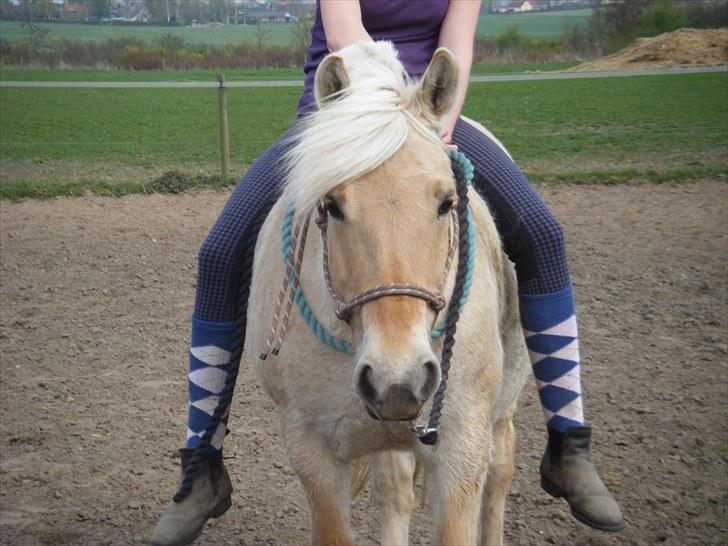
x,y
531,236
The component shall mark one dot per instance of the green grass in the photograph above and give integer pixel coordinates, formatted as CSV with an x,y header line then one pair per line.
x,y
275,33
517,68
489,26
674,121
92,74
139,126
99,75
654,128
537,25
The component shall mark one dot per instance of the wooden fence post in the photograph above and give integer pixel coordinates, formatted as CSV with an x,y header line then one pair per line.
x,y
224,138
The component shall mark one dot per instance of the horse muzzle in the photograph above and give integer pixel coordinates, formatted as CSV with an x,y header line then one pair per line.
x,y
398,400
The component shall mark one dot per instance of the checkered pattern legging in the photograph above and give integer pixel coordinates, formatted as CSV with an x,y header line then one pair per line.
x,y
532,238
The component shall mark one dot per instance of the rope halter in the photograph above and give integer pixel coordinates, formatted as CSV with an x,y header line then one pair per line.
x,y
344,309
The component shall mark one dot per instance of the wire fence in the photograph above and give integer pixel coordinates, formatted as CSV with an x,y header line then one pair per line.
x,y
299,83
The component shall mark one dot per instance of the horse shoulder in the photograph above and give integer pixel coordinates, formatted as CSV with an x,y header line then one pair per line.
x,y
267,266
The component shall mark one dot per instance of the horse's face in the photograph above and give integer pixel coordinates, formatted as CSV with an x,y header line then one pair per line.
x,y
392,226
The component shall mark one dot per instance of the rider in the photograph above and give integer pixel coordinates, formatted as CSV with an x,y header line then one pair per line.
x,y
532,238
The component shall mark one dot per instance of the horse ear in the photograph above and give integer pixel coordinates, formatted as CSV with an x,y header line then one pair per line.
x,y
331,78
439,84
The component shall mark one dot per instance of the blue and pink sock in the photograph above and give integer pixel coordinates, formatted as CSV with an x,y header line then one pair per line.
x,y
549,325
209,368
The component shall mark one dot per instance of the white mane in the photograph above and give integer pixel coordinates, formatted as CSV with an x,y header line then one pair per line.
x,y
358,131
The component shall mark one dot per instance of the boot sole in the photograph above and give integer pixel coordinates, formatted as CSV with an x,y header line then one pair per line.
x,y
221,508
554,490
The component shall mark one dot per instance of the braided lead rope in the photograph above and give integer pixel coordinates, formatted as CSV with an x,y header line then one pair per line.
x,y
295,282
463,171
454,232
439,329
282,294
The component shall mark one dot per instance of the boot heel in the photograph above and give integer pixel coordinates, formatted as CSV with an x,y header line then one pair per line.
x,y
221,508
551,489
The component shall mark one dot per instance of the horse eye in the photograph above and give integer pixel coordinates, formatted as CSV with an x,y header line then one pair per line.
x,y
445,206
333,210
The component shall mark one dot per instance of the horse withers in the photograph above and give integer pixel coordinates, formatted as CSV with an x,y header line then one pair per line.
x,y
348,382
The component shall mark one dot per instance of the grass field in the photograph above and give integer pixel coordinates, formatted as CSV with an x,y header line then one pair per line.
x,y
489,26
657,127
90,74
275,33
531,24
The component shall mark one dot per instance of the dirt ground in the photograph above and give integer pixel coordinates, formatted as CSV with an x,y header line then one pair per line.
x,y
95,300
681,48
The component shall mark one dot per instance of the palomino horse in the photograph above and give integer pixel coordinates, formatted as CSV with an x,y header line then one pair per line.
x,y
369,164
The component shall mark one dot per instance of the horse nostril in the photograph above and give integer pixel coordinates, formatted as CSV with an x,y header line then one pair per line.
x,y
364,385
432,379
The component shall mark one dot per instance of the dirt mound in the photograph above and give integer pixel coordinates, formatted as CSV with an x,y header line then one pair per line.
x,y
684,47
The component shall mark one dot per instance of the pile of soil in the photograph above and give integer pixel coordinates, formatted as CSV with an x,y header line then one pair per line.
x,y
95,299
684,47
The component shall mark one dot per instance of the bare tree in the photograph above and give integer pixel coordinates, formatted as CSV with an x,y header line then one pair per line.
x,y
262,33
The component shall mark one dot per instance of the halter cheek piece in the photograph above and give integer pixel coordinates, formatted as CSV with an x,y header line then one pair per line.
x,y
344,309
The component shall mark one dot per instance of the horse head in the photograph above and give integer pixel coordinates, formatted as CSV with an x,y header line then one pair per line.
x,y
371,161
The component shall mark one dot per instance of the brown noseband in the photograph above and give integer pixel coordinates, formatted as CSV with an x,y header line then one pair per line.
x,y
344,309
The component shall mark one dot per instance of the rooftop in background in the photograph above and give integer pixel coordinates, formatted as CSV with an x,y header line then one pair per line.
x,y
526,6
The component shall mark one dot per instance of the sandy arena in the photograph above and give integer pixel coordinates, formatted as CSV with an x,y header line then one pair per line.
x,y
96,295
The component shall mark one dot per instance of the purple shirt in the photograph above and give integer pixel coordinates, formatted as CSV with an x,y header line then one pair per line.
x,y
412,25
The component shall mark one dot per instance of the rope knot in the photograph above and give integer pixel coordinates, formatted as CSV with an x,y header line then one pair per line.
x,y
342,313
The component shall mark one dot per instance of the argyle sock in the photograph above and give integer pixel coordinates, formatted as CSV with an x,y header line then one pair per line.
x,y
209,368
549,325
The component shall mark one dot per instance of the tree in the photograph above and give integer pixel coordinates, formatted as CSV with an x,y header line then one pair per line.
x,y
100,9
615,25
157,10
6,9
301,35
43,8
662,17
220,11
188,11
262,33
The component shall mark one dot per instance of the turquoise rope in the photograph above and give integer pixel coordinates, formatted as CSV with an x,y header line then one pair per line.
x,y
306,312
308,315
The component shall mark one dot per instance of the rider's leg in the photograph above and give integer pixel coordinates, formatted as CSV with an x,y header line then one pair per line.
x,y
223,278
534,241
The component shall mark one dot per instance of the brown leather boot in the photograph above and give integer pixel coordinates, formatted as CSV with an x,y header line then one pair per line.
x,y
182,522
567,471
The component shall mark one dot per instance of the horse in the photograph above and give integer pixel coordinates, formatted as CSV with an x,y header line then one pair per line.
x,y
369,167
